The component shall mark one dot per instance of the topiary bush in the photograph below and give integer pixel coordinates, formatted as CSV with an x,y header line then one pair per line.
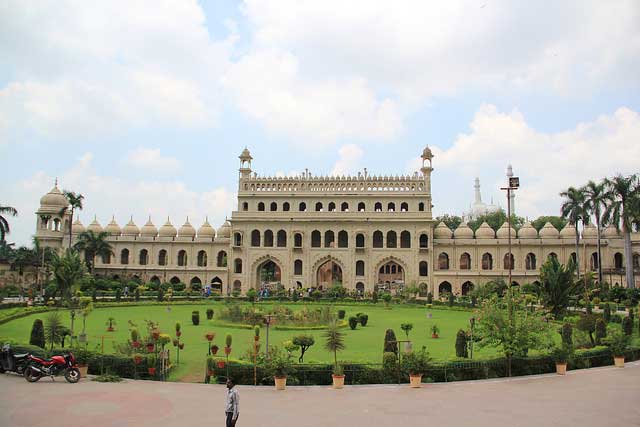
x,y
363,318
37,334
353,322
209,313
160,295
606,313
601,331
627,326
341,314
429,298
452,299
566,332
390,344
461,344
195,317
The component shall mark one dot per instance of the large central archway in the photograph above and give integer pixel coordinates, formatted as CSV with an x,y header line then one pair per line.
x,y
329,273
268,274
390,275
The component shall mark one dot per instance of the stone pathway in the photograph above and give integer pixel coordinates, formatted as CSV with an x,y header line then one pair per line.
x,y
596,397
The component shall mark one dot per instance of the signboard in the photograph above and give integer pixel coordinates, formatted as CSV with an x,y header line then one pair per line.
x,y
514,182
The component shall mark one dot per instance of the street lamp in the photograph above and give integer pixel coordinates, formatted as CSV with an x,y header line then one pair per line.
x,y
514,184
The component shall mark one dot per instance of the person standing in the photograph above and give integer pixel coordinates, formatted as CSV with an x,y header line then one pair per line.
x,y
232,406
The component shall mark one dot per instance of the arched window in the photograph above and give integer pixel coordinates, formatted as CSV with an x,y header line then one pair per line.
x,y
377,239
302,207
617,260
361,207
466,288
182,258
343,239
360,288
594,261
424,268
237,266
392,239
465,261
174,280
286,206
553,255
268,239
124,256
424,241
202,259
404,207
281,239
359,268
329,239
297,240
106,258
261,207
297,267
359,240
162,257
636,261
378,207
421,207
332,207
255,238
530,261
444,288
273,207
319,207
391,207
443,261
405,239
315,239
487,261
508,261
237,286
573,258
237,239
221,259
144,257
344,207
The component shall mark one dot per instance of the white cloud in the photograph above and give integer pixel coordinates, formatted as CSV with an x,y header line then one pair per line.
x,y
152,160
349,160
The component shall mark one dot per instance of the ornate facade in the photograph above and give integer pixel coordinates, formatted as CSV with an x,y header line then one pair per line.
x,y
363,231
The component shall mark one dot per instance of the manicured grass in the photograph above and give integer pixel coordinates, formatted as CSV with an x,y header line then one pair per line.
x,y
362,345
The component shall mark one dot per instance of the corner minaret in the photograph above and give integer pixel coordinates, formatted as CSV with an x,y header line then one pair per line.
x,y
427,167
245,165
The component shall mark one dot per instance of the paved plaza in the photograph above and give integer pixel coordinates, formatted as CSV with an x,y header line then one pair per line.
x,y
597,397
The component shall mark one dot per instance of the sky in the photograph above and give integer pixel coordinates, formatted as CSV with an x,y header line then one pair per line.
x,y
144,106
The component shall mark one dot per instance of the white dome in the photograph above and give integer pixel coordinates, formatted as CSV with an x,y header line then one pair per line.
x,y
77,227
442,231
485,232
95,226
503,232
549,232
206,230
463,232
187,230
167,230
149,230
113,228
527,232
54,198
131,229
568,232
224,232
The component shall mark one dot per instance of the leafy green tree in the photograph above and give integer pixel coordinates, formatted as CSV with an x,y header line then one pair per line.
x,y
75,202
451,221
304,342
557,221
390,342
93,245
495,220
573,209
557,285
461,344
68,272
406,327
587,323
37,334
334,341
596,204
4,223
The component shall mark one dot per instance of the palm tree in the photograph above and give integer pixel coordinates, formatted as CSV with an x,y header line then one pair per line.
x,y
334,341
573,210
93,245
4,224
595,204
557,285
75,201
624,200
68,271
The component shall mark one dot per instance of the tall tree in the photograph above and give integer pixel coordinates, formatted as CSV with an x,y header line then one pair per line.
x,y
75,202
624,200
93,245
596,203
557,285
68,271
573,210
4,224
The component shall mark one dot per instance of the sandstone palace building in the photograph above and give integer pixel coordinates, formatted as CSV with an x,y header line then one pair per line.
x,y
363,231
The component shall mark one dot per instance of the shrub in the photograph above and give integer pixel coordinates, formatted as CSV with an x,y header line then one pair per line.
x,y
341,314
374,297
566,332
37,334
136,294
195,317
363,318
386,297
389,360
390,344
461,344
118,294
627,326
587,323
209,313
429,298
417,363
452,299
353,322
606,313
160,295
601,331
406,327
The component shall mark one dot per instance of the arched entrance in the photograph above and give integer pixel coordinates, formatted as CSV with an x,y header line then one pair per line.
x,y
216,285
329,274
391,276
269,275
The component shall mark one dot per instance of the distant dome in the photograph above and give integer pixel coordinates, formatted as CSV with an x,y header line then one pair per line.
x,y
131,229
206,230
485,232
568,232
611,232
224,232
187,230
503,232
113,228
549,232
527,232
590,232
149,230
54,198
442,231
95,226
77,227
167,230
463,232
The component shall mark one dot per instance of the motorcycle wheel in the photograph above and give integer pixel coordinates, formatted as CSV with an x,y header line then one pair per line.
x,y
72,375
2,370
31,375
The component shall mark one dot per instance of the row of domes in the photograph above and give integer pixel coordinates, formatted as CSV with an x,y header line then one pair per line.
x,y
527,231
150,230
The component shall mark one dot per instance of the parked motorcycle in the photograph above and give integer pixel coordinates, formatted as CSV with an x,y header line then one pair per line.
x,y
11,362
57,365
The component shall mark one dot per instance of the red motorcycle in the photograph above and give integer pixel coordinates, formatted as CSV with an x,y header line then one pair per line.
x,y
57,365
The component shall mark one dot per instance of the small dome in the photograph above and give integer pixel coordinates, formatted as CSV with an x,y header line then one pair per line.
x,y
113,228
224,232
568,232
245,155
149,230
442,231
54,198
549,232
131,229
503,232
427,154
206,230
485,232
77,227
590,232
527,231
463,232
187,230
611,232
167,230
95,226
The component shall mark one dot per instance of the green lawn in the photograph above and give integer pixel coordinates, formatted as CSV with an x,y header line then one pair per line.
x,y
362,345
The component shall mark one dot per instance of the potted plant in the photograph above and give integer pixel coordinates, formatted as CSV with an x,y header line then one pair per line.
x,y
227,349
151,365
211,364
561,356
178,329
150,347
435,331
111,322
220,363
137,358
617,342
256,333
334,341
214,349
417,364
338,376
279,366
210,336
209,313
181,346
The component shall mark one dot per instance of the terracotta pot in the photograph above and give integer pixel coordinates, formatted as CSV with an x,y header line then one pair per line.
x,y
209,337
84,370
561,368
256,338
110,329
618,361
152,371
220,364
178,333
415,381
150,347
227,350
137,360
338,381
181,346
214,349
434,335
135,344
210,373
281,382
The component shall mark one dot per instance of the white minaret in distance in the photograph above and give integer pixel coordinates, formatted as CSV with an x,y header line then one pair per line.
x,y
476,186
513,193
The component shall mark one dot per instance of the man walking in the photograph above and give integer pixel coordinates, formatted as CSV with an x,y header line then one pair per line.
x,y
232,406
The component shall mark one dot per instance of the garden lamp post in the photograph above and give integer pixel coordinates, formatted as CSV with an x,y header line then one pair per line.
x,y
513,184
